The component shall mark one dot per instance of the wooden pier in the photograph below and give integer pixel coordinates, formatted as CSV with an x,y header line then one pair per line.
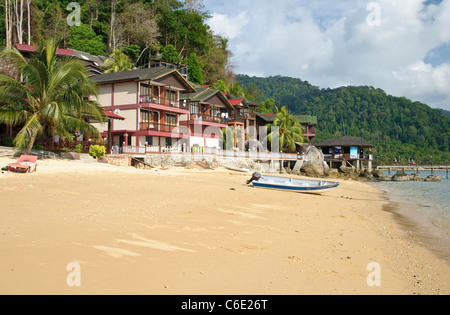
x,y
417,168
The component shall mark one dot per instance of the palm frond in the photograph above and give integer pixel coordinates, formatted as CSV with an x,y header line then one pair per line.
x,y
22,139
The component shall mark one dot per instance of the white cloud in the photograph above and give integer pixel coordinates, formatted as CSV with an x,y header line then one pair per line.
x,y
229,26
330,43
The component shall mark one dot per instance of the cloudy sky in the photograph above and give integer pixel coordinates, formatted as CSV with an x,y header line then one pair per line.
x,y
401,46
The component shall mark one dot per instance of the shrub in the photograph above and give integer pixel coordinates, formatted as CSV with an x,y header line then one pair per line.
x,y
78,148
97,151
7,142
38,147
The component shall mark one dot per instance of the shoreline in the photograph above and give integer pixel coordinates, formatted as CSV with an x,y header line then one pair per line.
x,y
178,231
417,228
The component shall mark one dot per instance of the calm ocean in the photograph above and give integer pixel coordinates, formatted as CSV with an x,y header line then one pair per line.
x,y
432,200
427,201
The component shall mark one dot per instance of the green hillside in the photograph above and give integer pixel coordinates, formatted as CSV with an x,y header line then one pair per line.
x,y
395,125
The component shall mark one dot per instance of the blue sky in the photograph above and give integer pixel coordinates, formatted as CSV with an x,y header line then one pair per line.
x,y
401,46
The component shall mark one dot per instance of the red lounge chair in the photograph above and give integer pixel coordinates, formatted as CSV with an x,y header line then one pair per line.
x,y
26,163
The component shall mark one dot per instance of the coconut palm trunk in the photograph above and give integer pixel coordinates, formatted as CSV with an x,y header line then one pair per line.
x,y
31,142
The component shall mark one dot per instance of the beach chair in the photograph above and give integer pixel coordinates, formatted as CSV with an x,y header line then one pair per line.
x,y
25,164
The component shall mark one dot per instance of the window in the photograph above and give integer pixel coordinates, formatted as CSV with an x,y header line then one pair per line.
x,y
194,108
145,116
146,89
168,142
172,96
171,120
149,140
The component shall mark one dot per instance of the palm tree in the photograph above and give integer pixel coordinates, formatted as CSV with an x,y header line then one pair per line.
x,y
51,97
117,62
287,128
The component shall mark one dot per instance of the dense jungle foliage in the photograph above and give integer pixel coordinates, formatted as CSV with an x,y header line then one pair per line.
x,y
396,126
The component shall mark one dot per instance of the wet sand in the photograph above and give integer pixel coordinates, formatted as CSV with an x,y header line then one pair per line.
x,y
181,231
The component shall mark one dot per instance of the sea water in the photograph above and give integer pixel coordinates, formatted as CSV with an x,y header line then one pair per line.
x,y
429,201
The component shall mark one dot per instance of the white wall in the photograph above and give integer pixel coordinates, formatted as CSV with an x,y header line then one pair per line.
x,y
104,95
125,93
100,127
130,120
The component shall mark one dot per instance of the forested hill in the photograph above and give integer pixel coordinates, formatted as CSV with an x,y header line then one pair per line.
x,y
174,31
395,125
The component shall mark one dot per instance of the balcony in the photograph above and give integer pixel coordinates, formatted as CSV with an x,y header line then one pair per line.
x,y
241,117
158,100
146,126
208,118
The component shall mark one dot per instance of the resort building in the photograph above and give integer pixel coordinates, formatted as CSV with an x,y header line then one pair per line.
x,y
149,101
243,119
347,151
309,124
208,117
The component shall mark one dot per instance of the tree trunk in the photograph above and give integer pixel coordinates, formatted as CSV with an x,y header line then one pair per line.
x,y
8,23
19,20
29,22
112,39
31,142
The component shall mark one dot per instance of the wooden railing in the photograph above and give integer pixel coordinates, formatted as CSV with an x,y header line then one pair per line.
x,y
163,101
209,118
241,117
147,126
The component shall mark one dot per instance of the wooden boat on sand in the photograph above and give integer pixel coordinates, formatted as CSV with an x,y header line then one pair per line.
x,y
291,184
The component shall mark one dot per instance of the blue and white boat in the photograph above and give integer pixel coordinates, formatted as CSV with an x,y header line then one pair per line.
x,y
291,184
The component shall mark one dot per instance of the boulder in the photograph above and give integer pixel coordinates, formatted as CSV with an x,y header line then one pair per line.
x,y
347,169
377,173
433,178
334,173
401,176
366,174
314,164
313,170
253,145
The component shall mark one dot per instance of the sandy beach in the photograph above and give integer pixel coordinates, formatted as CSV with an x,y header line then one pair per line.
x,y
180,231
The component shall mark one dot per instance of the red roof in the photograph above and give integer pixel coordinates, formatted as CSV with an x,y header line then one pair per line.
x,y
31,48
113,116
236,101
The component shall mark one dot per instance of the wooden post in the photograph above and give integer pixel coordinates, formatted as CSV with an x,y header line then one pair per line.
x,y
110,140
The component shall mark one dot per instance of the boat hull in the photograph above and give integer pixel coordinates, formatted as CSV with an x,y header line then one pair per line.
x,y
307,190
294,185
